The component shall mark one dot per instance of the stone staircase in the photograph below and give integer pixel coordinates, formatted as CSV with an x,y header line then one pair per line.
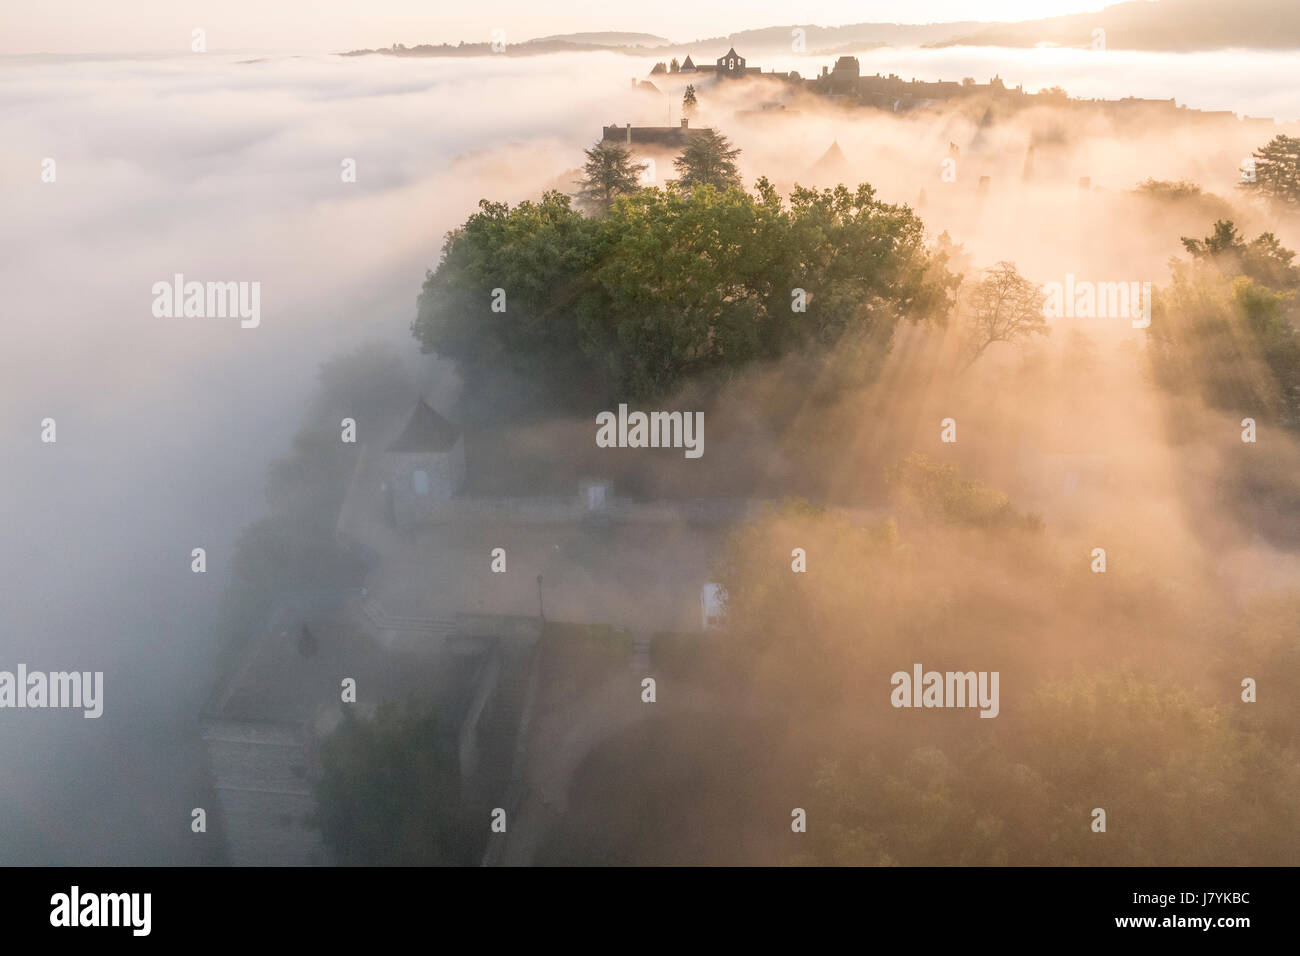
x,y
641,654
500,731
504,736
403,633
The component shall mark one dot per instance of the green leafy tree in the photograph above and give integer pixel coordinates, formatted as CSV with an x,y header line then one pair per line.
x,y
1169,190
609,173
865,262
689,103
671,284
1263,259
1225,326
389,792
1277,171
939,491
674,66
1183,195
709,159
539,254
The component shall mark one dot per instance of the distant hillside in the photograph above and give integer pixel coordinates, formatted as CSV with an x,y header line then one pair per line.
x,y
1165,25
527,48
836,39
1159,25
768,40
607,38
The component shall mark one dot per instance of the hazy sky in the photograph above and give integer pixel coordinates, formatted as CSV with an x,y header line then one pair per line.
x,y
85,26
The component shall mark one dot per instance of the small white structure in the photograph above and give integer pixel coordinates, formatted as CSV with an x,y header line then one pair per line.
x,y
595,494
713,601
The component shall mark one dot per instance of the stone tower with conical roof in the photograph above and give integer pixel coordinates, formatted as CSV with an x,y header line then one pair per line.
x,y
425,466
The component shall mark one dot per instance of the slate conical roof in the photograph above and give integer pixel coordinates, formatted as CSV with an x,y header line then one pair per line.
x,y
426,431
833,164
833,155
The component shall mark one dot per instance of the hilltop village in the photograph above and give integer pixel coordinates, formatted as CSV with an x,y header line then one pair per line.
x,y
845,83
772,101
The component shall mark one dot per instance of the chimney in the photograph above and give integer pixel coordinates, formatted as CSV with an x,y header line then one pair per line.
x,y
629,132
686,122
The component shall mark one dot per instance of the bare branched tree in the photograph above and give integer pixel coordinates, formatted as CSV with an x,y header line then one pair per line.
x,y
1004,307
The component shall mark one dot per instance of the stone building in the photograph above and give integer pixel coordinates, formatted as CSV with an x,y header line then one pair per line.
x,y
845,74
424,467
731,64
651,137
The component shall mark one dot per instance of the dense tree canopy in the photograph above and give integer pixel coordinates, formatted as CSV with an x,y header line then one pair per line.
x,y
1263,259
669,284
388,793
1094,711
1188,776
1226,325
1177,775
